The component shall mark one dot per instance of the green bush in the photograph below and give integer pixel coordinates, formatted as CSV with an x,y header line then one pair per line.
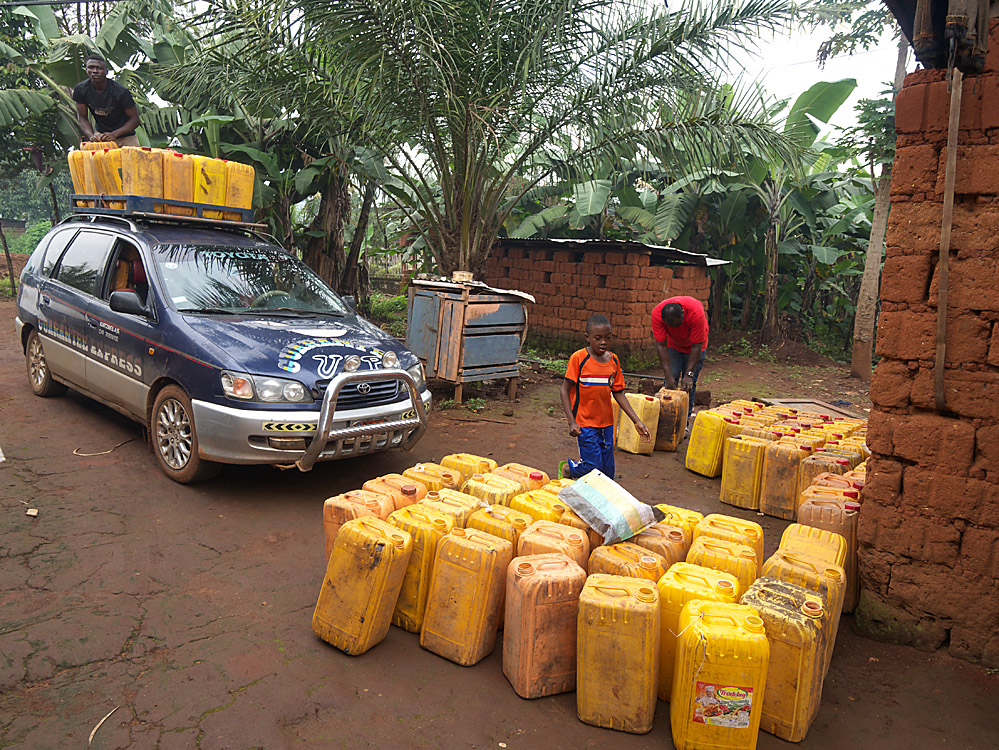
x,y
27,242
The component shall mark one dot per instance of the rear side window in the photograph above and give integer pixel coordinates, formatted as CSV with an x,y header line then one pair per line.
x,y
84,261
56,245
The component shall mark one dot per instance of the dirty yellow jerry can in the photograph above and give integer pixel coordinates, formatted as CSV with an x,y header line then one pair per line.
x,y
669,542
707,437
459,510
403,490
547,536
434,477
76,172
617,653
539,505
339,509
839,515
501,521
569,518
491,488
779,478
528,478
178,182
820,462
542,607
673,406
818,543
680,584
797,627
719,679
238,188
628,438
728,556
209,183
466,596
732,529
142,171
742,471
107,168
468,464
363,580
427,527
685,518
823,578
627,559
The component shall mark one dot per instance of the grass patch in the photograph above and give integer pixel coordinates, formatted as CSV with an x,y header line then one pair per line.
x,y
475,404
389,313
5,289
745,348
547,360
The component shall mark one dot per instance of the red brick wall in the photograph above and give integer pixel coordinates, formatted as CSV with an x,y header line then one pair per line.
x,y
929,525
571,285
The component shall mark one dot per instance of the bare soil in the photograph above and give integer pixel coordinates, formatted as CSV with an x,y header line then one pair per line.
x,y
188,609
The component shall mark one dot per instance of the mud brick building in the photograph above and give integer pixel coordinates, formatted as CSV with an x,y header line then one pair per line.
x,y
572,280
929,525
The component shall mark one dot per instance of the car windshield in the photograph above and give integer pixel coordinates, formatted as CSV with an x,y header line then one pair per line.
x,y
210,279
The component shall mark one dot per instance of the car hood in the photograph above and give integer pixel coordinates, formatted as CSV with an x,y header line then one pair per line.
x,y
306,349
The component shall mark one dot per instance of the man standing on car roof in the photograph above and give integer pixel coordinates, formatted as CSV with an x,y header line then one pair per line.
x,y
111,104
680,329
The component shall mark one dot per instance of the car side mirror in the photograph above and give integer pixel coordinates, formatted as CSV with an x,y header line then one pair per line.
x,y
351,302
127,302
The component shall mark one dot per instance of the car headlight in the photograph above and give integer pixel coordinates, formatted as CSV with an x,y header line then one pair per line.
x,y
260,388
417,372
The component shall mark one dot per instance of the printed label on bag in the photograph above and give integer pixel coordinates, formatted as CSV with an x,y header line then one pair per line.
x,y
722,705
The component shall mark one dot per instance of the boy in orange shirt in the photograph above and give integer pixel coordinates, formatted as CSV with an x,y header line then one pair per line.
x,y
592,377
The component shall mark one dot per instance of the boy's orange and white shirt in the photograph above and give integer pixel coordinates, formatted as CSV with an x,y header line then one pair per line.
x,y
595,381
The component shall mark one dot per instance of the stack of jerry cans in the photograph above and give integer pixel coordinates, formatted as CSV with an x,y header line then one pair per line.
x,y
797,627
680,584
542,607
718,682
427,527
362,584
466,595
618,653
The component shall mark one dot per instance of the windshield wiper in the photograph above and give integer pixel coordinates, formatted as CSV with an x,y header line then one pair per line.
x,y
297,312
208,310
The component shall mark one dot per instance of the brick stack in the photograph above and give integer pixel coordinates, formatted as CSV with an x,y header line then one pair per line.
x,y
929,527
571,285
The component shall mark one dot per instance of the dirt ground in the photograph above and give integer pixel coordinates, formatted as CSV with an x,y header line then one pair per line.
x,y
187,609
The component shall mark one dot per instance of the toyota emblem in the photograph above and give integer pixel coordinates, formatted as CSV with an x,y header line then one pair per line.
x,y
364,388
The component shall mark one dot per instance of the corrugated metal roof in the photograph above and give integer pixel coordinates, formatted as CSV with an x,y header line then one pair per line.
x,y
659,253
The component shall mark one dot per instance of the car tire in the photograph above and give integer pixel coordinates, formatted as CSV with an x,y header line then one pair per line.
x,y
39,375
175,440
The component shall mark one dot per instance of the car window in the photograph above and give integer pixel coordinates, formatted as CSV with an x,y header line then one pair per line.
x,y
128,273
56,245
238,279
84,260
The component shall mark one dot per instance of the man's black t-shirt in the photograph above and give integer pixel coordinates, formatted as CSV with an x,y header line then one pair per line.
x,y
107,106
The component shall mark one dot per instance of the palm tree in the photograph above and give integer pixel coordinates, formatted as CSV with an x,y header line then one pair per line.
x,y
475,102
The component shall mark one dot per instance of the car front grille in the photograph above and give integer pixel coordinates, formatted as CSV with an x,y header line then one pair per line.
x,y
381,392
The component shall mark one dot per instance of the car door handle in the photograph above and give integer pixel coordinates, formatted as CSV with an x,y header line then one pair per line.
x,y
92,322
45,301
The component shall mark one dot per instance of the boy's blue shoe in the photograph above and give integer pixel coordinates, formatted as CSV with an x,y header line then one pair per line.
x,y
572,469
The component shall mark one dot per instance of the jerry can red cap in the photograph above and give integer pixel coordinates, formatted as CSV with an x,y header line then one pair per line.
x,y
858,485
852,494
850,505
842,462
537,476
649,398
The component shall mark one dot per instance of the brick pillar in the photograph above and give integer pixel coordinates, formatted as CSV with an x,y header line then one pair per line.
x,y
929,525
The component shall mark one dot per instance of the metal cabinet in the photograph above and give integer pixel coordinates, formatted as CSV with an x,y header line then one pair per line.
x,y
467,332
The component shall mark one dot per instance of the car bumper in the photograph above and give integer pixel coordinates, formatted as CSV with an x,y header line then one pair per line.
x,y
243,436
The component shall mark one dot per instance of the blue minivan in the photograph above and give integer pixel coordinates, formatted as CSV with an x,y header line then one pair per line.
x,y
226,347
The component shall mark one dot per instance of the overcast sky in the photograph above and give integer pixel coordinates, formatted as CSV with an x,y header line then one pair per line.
x,y
786,67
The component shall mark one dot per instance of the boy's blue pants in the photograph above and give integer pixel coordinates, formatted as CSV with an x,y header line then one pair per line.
x,y
596,451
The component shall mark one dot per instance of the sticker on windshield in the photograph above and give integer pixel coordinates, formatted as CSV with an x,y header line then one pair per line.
x,y
171,266
178,300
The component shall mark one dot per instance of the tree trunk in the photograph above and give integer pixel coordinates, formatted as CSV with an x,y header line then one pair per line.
x,y
770,288
867,298
348,282
55,204
10,263
324,252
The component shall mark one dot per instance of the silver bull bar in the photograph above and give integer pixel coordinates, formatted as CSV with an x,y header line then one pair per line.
x,y
325,434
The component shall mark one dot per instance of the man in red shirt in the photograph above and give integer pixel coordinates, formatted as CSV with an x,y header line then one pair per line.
x,y
680,329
